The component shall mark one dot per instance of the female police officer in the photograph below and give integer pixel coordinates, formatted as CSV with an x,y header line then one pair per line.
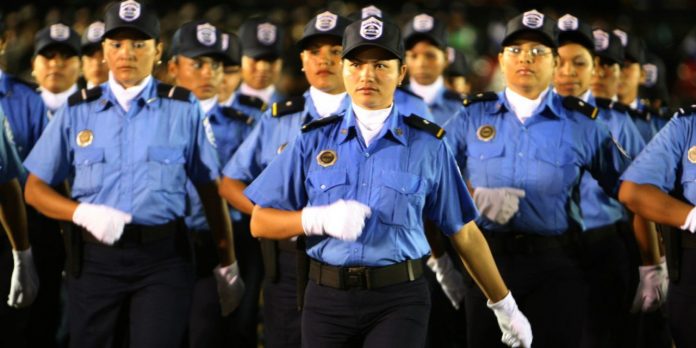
x,y
523,151
130,144
358,186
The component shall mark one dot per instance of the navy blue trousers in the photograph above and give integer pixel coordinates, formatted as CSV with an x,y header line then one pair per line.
x,y
282,319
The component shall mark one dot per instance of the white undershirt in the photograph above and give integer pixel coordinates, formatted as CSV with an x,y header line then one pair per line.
x,y
208,104
429,92
125,95
1,73
325,103
370,122
586,96
634,104
523,107
263,94
54,101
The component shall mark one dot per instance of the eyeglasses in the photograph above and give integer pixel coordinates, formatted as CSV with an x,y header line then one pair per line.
x,y
536,51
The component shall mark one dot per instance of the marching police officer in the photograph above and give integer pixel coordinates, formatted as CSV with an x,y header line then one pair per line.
x,y
94,69
523,151
320,47
358,186
232,75
196,64
130,145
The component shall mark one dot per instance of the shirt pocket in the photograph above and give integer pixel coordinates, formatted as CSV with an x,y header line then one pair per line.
x,y
327,186
485,163
89,171
166,169
552,170
400,198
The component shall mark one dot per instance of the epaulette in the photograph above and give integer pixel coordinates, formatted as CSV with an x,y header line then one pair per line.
x,y
85,95
452,95
423,124
409,92
173,92
480,97
252,101
287,107
653,111
236,115
605,103
320,123
687,110
577,104
635,113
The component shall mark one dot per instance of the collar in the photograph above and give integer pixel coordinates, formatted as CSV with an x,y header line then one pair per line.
x,y
524,107
430,92
264,94
208,104
325,104
54,101
394,126
586,97
124,96
635,105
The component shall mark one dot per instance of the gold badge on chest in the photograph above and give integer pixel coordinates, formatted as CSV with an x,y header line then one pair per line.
x,y
327,158
84,138
485,132
691,155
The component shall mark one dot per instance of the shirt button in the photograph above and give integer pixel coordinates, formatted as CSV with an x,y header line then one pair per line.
x,y
364,184
520,154
323,187
166,161
367,154
355,251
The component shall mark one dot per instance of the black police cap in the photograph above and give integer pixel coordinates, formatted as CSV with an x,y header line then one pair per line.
x,y
655,85
131,14
324,24
571,29
232,48
634,48
425,26
531,21
92,37
54,35
457,63
197,38
261,37
373,31
608,46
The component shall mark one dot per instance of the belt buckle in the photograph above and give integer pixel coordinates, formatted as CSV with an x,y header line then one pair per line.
x,y
355,277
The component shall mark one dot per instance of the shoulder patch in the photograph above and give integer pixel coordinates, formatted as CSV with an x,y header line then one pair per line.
x,y
84,95
425,125
452,95
287,107
236,115
577,104
480,97
252,101
687,111
173,92
605,103
407,91
320,123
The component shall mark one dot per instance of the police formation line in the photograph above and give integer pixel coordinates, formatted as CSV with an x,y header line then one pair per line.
x,y
157,214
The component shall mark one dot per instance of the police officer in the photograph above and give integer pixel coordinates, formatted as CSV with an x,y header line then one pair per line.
x,y
94,69
130,145
523,151
232,75
196,64
457,71
653,92
358,187
607,259
320,53
56,64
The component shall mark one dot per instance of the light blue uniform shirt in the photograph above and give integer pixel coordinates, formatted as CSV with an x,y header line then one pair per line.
x,y
137,162
10,164
408,102
445,105
406,173
643,121
25,111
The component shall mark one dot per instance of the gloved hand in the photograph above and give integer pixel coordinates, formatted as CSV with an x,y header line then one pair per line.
x,y
103,222
230,287
515,327
652,288
450,280
498,204
690,223
25,281
341,219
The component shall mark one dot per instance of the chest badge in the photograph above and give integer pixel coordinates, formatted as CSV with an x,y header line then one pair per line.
x,y
281,148
327,158
692,154
84,138
485,132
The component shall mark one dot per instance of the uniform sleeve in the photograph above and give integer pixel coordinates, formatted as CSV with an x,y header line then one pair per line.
x,y
449,204
629,137
657,164
9,160
607,160
455,137
203,164
37,111
282,184
245,164
51,158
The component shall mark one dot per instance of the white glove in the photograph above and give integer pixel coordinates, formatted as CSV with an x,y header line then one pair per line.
x,y
652,288
515,327
690,223
450,280
25,281
103,222
498,204
341,219
230,287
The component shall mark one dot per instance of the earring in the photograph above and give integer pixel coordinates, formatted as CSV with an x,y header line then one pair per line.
x,y
103,61
302,69
159,62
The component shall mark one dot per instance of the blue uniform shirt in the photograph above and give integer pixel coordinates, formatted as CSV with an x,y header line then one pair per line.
x,y
598,209
643,122
269,138
445,105
137,162
406,100
25,111
404,174
545,157
669,160
10,164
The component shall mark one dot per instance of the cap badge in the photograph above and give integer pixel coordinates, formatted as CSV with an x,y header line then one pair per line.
x,y
266,33
533,19
450,55
205,33
129,10
371,28
60,32
95,31
326,21
568,23
651,74
371,11
225,41
622,35
485,132
84,138
423,23
601,40
327,158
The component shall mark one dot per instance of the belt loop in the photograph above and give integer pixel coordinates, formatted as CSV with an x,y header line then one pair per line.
x,y
319,265
368,278
409,267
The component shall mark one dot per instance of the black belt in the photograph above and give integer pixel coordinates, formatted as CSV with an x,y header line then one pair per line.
x,y
287,245
516,242
139,234
365,277
598,234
